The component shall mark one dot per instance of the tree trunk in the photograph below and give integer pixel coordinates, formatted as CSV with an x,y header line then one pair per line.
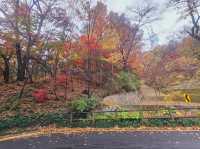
x,y
6,71
30,76
29,71
88,77
125,66
20,64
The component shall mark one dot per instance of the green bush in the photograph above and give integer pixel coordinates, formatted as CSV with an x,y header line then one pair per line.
x,y
127,81
63,120
40,119
84,104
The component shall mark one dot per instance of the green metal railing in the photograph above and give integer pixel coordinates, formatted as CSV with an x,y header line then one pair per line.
x,y
162,116
161,113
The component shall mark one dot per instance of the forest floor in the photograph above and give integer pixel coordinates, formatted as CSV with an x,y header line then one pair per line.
x,y
10,105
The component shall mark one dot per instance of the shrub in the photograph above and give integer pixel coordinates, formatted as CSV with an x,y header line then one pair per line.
x,y
62,120
127,81
84,104
61,79
40,95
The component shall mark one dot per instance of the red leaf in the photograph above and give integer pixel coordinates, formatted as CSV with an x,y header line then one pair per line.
x,y
40,95
61,79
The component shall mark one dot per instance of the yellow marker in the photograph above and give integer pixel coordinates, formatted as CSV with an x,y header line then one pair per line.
x,y
187,98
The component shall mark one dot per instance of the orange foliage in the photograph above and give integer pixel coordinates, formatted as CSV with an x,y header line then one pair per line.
x,y
89,42
135,63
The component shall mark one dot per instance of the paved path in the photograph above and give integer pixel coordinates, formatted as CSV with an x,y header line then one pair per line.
x,y
128,140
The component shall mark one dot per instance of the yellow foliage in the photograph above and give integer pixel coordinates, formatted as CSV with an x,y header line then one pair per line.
x,y
110,40
174,96
74,56
109,43
61,56
51,62
114,58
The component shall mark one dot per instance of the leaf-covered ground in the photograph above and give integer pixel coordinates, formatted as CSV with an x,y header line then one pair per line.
x,y
10,105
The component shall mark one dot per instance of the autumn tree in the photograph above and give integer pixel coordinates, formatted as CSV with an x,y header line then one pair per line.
x,y
189,12
27,20
130,31
6,53
189,9
159,63
93,17
173,60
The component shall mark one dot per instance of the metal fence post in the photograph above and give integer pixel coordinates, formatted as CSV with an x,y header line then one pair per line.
x,y
141,114
71,119
141,117
171,114
93,120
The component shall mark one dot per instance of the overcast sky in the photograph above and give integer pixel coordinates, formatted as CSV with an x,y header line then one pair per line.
x,y
165,28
